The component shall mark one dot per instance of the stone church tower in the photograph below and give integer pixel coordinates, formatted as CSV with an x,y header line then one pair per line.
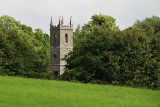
x,y
61,43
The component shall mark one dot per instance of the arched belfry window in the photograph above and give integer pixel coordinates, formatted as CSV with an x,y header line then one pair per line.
x,y
54,38
66,38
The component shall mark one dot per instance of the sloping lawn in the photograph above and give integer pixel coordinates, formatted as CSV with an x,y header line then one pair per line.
x,y
22,92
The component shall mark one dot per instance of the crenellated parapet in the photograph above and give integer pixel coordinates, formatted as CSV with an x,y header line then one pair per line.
x,y
61,24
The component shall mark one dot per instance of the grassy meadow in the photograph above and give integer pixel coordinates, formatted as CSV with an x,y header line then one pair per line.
x,y
23,92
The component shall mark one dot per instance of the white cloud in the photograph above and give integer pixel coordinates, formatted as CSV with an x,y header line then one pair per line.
x,y
37,13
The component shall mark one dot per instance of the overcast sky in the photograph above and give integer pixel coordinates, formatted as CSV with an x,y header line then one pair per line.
x,y
37,13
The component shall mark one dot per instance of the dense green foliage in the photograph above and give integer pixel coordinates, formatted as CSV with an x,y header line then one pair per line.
x,y
151,25
22,51
20,92
104,54
101,54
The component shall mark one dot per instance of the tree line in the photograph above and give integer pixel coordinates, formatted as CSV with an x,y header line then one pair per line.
x,y
104,54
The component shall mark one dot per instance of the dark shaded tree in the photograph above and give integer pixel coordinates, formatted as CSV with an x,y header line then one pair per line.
x,y
22,51
104,54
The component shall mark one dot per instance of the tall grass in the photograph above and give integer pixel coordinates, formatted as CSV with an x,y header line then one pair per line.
x,y
21,92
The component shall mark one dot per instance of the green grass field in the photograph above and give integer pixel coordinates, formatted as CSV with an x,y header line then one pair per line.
x,y
21,92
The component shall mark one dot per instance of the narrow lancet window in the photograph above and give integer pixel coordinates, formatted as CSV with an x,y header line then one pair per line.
x,y
66,38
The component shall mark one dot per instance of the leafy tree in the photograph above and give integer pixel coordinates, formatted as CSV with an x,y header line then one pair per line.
x,y
22,51
151,25
85,62
104,54
137,66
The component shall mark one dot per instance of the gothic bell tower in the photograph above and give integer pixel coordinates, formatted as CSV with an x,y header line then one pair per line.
x,y
61,43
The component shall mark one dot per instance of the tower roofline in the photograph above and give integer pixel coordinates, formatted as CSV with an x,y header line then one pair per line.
x,y
51,23
61,24
71,21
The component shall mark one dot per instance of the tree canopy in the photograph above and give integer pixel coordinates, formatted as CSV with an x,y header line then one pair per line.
x,y
104,54
101,54
22,51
